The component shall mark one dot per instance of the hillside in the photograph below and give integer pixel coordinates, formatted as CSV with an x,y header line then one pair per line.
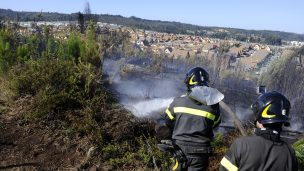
x,y
57,113
157,25
62,106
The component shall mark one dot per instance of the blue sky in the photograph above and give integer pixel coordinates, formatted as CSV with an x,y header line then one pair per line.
x,y
282,15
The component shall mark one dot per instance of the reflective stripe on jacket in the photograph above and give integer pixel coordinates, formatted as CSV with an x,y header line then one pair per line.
x,y
259,153
192,121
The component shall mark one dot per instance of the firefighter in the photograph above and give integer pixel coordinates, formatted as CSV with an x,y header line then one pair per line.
x,y
264,150
189,122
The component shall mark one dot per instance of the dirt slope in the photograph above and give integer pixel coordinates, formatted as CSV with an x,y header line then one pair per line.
x,y
34,146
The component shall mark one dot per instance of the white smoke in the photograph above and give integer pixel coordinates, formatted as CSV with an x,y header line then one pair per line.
x,y
148,108
296,124
148,96
243,113
143,95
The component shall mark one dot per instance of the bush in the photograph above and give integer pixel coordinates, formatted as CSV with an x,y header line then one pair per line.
x,y
7,50
299,149
151,156
141,153
55,86
58,82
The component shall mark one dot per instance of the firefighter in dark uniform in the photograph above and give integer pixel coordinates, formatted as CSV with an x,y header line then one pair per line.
x,y
189,122
264,150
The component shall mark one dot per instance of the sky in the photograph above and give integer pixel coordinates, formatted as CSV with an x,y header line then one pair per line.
x,y
280,15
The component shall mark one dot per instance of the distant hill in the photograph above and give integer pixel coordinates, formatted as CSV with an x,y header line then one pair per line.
x,y
265,36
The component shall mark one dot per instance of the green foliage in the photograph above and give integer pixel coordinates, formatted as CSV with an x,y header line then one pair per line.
x,y
22,53
46,31
16,48
7,50
60,80
219,144
60,75
127,159
273,40
118,155
51,47
299,149
56,86
61,52
94,52
151,155
217,141
142,152
35,48
220,35
75,47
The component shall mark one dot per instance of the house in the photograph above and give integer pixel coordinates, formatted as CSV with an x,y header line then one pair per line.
x,y
297,43
168,50
256,47
139,43
267,48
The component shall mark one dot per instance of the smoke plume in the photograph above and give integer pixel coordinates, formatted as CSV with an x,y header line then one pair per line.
x,y
144,95
148,95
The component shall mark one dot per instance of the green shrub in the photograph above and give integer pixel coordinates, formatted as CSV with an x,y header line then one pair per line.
x,y
217,141
118,155
59,81
219,144
151,155
7,50
299,149
55,86
118,162
141,153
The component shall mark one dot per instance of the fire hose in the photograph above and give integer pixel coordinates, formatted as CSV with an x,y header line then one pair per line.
x,y
233,116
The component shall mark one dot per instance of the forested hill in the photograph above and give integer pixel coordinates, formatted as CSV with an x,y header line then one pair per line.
x,y
156,25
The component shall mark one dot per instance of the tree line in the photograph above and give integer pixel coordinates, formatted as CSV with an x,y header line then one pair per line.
x,y
255,36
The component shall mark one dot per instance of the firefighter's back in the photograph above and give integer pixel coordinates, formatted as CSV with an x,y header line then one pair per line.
x,y
257,153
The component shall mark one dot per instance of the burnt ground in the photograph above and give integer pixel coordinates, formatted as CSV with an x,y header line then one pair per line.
x,y
34,146
27,144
